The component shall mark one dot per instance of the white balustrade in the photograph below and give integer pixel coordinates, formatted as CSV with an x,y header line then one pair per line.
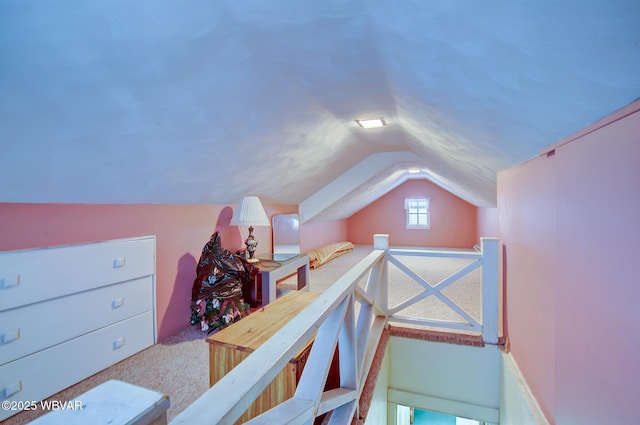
x,y
487,258
332,318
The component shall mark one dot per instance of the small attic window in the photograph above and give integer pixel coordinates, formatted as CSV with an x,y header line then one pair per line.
x,y
417,213
375,123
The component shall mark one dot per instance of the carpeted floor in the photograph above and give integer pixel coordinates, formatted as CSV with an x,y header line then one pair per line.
x,y
179,365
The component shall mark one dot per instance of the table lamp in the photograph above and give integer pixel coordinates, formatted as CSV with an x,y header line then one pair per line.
x,y
250,212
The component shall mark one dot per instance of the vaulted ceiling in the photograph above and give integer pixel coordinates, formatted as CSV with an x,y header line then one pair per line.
x,y
164,101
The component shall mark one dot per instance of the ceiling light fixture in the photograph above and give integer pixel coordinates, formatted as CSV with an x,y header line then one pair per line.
x,y
414,170
374,123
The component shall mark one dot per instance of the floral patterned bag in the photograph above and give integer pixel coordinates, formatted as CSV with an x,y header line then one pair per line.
x,y
216,296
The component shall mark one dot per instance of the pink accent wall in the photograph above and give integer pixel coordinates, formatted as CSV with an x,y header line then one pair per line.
x,y
527,232
598,281
181,231
487,223
316,235
569,225
453,220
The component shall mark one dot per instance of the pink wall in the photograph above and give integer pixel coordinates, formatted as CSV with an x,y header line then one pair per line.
x,y
453,220
569,225
181,232
316,235
598,281
487,223
527,232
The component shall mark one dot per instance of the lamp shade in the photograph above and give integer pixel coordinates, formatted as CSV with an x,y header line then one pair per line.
x,y
250,212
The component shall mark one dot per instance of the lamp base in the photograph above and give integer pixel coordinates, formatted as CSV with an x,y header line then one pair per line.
x,y
251,244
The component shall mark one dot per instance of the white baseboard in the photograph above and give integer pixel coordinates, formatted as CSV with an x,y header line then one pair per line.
x,y
514,411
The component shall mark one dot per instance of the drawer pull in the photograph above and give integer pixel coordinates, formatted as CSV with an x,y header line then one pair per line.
x,y
118,343
9,336
10,281
119,262
10,390
117,303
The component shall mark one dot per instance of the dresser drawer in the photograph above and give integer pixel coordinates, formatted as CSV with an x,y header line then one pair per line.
x,y
42,374
28,329
30,276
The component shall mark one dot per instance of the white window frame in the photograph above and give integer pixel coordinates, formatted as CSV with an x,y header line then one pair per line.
x,y
417,213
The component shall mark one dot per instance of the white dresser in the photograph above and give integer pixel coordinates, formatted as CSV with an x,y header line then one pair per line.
x,y
69,312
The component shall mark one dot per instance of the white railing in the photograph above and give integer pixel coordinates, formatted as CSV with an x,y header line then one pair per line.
x,y
487,258
332,318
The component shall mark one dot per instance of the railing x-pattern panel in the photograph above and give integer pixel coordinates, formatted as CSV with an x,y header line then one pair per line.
x,y
428,290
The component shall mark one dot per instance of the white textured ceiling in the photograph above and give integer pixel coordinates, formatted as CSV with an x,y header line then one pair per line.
x,y
164,101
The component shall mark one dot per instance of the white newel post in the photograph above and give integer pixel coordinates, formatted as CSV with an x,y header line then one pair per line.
x,y
382,242
489,290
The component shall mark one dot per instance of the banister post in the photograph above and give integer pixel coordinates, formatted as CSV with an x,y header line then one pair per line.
x,y
381,241
489,248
